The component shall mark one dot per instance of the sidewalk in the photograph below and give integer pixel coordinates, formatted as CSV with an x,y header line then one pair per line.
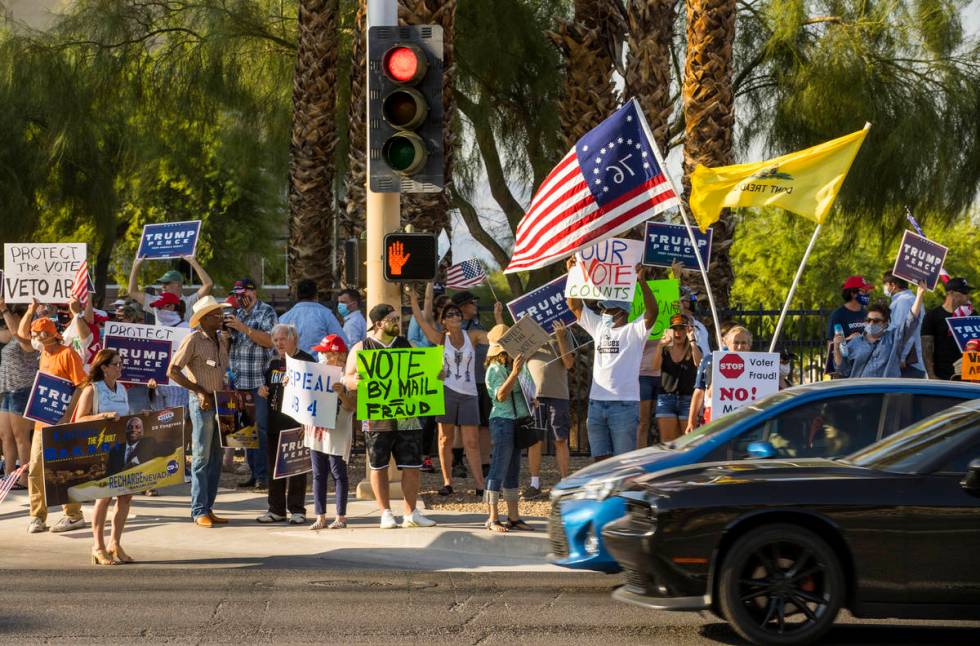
x,y
161,535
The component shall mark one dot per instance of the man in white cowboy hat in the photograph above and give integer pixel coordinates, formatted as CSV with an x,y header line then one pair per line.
x,y
200,365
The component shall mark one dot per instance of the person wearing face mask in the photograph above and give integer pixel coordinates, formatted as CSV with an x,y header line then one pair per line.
x,y
849,316
170,282
349,308
879,350
614,400
313,320
939,348
786,359
912,366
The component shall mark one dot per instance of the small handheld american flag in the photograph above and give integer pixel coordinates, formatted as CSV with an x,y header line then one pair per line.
x,y
82,285
7,483
468,273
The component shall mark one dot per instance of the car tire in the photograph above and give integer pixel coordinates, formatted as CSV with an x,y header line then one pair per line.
x,y
782,585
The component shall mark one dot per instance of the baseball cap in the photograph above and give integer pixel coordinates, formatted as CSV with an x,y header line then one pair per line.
x,y
678,320
166,298
331,343
464,297
857,282
959,285
380,311
973,345
243,284
44,325
172,276
615,305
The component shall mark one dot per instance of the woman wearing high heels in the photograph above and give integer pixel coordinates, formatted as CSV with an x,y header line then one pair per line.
x,y
103,397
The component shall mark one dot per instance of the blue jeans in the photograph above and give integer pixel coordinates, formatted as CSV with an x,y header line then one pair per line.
x,y
256,458
505,459
206,463
612,427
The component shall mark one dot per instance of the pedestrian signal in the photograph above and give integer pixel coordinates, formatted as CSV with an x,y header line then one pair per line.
x,y
410,257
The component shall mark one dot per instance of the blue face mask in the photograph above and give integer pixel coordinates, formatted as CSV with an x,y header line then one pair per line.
x,y
342,309
607,319
863,299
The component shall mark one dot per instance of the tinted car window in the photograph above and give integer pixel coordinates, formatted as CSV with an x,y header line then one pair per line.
x,y
907,408
958,463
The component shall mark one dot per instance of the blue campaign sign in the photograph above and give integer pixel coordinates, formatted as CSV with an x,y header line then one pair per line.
x,y
169,240
545,305
142,359
664,243
50,397
964,328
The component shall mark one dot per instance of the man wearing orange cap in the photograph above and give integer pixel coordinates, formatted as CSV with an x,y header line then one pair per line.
x,y
57,360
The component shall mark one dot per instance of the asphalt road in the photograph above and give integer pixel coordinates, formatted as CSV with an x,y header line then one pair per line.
x,y
245,606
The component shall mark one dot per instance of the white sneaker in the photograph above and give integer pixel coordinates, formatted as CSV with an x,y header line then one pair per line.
x,y
297,519
36,526
416,519
67,524
269,517
388,520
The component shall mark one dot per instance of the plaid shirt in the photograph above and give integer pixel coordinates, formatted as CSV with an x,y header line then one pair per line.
x,y
249,359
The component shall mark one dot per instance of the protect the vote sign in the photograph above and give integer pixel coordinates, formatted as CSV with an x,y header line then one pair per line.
x,y
399,383
41,270
964,329
49,399
169,240
145,350
308,396
605,271
545,305
663,243
740,379
292,456
919,259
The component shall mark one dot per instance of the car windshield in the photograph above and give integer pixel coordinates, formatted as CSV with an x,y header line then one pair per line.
x,y
702,433
914,447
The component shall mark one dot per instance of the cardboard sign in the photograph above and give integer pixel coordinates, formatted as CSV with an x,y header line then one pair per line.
x,y
605,271
919,259
308,395
964,329
152,332
235,412
292,457
668,293
545,305
524,337
49,399
169,240
106,458
741,378
971,366
399,383
664,243
41,270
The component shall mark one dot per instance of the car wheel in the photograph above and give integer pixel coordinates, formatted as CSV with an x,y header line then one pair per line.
x,y
781,584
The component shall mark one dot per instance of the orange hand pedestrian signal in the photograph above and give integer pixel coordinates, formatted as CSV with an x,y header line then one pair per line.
x,y
410,257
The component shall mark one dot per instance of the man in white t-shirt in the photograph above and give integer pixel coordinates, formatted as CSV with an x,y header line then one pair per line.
x,y
614,402
172,282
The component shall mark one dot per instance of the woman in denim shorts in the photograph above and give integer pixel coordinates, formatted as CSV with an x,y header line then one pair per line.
x,y
18,366
677,359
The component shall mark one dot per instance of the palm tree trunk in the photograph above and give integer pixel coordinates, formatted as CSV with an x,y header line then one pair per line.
x,y
649,41
352,218
311,150
709,116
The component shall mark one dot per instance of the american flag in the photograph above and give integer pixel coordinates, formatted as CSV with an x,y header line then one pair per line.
x,y
83,283
962,310
468,273
7,483
610,181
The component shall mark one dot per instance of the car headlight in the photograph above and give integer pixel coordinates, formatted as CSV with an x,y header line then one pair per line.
x,y
602,488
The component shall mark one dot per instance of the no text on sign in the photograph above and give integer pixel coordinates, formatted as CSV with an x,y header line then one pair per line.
x,y
410,257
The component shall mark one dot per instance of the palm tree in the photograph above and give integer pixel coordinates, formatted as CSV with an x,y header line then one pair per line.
x,y
649,41
352,217
314,138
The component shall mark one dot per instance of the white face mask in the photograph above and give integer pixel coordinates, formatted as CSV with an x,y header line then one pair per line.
x,y
887,290
167,317
321,357
607,320
37,345
784,369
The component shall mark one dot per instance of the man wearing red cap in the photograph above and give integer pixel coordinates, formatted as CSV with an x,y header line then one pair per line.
x,y
849,316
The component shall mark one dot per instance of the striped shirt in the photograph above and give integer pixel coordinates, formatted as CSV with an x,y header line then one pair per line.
x,y
205,359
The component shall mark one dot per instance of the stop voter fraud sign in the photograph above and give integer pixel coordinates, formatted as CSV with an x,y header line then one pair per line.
x,y
741,378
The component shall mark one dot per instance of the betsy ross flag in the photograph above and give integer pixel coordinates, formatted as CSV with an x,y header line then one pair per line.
x,y
83,283
468,273
611,180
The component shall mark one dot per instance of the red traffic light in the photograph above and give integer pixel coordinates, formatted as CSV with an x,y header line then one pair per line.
x,y
405,64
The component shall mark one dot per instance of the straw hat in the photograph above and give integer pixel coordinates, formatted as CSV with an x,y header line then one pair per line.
x,y
493,336
205,306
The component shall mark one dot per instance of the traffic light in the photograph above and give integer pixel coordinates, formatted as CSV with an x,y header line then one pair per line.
x,y
405,109
410,257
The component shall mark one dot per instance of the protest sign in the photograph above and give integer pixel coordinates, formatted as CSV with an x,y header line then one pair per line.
x,y
169,240
668,293
292,456
664,243
49,399
235,411
524,337
308,395
739,379
919,259
113,457
145,350
399,383
964,329
971,366
41,270
545,305
605,270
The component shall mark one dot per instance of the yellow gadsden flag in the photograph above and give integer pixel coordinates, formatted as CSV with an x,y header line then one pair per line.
x,y
804,182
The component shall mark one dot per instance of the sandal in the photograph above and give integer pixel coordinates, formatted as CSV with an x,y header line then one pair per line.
x,y
519,525
496,526
320,523
447,490
337,524
151,492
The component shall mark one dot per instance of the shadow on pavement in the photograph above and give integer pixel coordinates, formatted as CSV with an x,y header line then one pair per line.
x,y
883,634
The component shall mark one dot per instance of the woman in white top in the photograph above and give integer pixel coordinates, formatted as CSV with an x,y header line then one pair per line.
x,y
459,379
103,397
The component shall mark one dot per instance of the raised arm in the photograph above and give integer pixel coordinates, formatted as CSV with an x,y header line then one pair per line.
x,y
574,304
427,303
503,393
24,327
666,341
206,283
561,334
430,332
133,289
498,313
910,325
651,309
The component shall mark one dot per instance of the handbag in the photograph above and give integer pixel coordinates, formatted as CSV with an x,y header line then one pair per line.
x,y
525,435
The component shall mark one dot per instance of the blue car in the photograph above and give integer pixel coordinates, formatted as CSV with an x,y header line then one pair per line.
x,y
825,419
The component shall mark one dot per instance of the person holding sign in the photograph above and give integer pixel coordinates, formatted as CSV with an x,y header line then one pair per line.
x,y
171,281
614,401
283,492
912,366
939,349
880,350
677,359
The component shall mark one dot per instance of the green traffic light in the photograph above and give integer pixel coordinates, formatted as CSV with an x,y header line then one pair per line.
x,y
404,152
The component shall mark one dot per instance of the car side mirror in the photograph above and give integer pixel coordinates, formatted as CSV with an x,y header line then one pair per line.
x,y
761,450
971,482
